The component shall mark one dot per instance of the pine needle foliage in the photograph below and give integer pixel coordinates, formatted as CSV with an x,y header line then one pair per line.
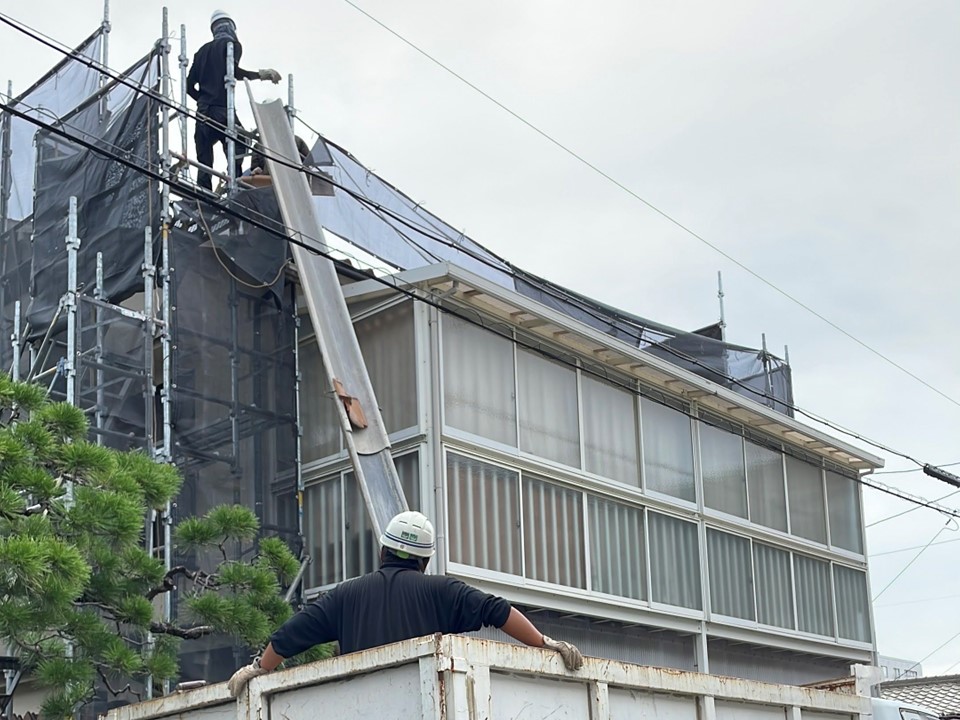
x,y
79,593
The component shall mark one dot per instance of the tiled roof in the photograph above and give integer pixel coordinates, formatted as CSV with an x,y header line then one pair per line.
x,y
940,693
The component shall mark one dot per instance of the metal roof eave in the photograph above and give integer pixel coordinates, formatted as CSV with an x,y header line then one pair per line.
x,y
454,282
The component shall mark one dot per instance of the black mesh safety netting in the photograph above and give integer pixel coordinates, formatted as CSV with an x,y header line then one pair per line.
x,y
115,202
233,394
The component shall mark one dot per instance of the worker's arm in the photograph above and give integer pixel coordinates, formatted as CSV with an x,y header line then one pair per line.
x,y
193,80
519,628
270,660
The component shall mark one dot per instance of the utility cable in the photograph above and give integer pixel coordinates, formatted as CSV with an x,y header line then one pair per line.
x,y
908,510
662,213
547,287
301,239
913,560
921,600
913,470
912,547
934,652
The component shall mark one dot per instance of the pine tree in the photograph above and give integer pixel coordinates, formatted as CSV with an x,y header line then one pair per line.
x,y
79,591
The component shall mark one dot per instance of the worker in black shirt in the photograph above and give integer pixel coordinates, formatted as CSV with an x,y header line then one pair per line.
x,y
397,602
206,85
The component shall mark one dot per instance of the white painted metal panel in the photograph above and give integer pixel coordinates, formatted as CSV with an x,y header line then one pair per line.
x,y
632,705
746,711
532,698
391,694
811,715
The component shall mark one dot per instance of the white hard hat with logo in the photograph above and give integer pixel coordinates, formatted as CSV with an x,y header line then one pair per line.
x,y
409,532
219,16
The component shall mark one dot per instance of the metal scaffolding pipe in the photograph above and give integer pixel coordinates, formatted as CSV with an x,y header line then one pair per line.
x,y
70,301
183,96
231,83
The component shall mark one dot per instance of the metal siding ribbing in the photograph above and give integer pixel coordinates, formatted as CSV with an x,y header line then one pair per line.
x,y
731,577
853,620
774,586
674,561
807,508
617,549
843,503
553,533
484,514
324,532
768,498
814,606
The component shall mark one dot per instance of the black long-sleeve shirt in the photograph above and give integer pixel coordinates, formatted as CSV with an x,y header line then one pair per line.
x,y
394,603
209,69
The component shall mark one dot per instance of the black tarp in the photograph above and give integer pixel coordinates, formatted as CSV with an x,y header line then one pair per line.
x,y
114,205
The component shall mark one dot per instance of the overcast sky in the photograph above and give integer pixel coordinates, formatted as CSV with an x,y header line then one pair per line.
x,y
815,142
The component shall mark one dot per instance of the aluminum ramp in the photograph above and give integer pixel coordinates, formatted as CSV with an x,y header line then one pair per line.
x,y
368,447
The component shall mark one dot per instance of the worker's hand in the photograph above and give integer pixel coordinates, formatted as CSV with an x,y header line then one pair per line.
x,y
241,677
269,74
571,656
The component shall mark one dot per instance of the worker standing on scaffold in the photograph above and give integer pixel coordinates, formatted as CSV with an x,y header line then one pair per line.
x,y
205,84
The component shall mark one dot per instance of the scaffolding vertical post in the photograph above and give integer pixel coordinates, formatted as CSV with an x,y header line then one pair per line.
x,y
723,319
291,108
231,84
15,341
182,58
104,54
99,294
5,175
768,384
298,427
149,332
70,301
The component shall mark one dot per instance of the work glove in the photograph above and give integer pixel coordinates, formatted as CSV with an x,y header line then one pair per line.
x,y
571,656
241,677
269,74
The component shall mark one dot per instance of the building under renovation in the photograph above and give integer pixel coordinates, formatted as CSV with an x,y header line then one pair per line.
x,y
643,492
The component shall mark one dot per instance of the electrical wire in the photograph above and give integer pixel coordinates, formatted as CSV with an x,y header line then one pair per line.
x,y
933,652
908,510
30,32
913,560
912,547
580,158
310,244
550,288
913,470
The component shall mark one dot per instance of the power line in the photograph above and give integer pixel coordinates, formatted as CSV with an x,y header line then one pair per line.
x,y
650,205
590,308
921,600
913,470
934,652
908,510
299,238
912,547
912,560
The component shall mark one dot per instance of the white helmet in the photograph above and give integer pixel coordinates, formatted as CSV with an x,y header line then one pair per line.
x,y
409,532
218,16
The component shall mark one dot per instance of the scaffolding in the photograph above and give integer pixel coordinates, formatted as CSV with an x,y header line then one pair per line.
x,y
145,363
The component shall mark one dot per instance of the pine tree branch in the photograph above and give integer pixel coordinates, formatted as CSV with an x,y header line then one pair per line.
x,y
185,633
106,682
168,581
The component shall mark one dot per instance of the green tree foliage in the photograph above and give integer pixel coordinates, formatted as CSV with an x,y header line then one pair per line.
x,y
80,597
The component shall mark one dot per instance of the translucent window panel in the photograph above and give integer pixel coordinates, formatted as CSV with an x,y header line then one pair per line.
x,y
731,575
774,586
814,596
674,562
724,473
549,426
768,498
617,554
609,431
318,414
807,508
324,532
853,603
843,504
484,514
478,381
553,533
362,545
389,352
667,450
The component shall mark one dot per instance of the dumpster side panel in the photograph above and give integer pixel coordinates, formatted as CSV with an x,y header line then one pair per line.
x,y
632,705
534,698
390,694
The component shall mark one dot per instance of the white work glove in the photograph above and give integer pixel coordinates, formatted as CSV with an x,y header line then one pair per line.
x,y
571,656
241,677
269,74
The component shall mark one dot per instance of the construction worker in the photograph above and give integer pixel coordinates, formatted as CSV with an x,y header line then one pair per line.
x,y
206,85
397,602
